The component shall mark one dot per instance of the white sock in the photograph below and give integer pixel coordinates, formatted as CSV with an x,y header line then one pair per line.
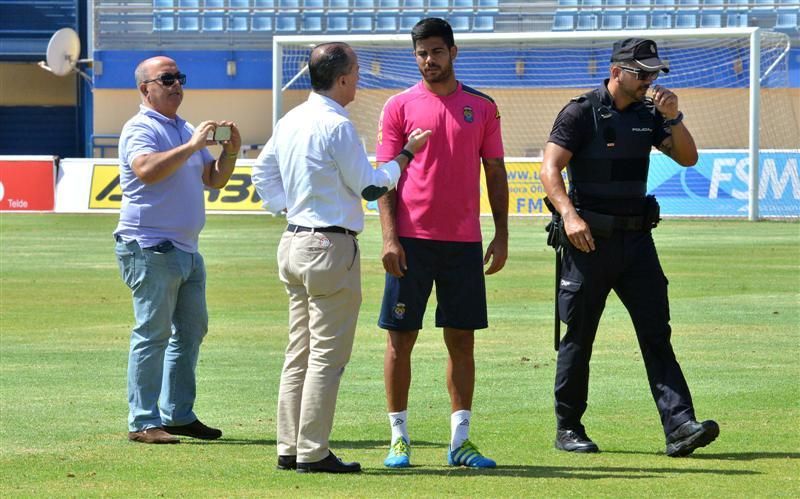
x,y
397,420
459,428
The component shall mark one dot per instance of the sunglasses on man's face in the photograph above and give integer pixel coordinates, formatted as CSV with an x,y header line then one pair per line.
x,y
169,79
641,74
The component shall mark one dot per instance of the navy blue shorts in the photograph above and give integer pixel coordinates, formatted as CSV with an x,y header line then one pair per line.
x,y
457,270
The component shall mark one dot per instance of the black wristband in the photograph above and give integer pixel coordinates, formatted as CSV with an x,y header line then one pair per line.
x,y
675,120
408,154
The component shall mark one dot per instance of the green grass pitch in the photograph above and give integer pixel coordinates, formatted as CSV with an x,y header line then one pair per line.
x,y
65,318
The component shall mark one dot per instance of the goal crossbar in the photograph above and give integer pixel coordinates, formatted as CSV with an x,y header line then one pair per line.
x,y
520,38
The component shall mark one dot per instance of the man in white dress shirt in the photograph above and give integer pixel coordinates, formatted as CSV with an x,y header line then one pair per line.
x,y
315,168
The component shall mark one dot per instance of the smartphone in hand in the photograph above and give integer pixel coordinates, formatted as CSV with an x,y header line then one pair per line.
x,y
222,132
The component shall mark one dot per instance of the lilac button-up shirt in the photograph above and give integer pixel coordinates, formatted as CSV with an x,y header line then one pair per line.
x,y
172,209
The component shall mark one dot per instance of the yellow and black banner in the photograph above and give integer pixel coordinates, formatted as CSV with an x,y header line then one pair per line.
x,y
524,186
238,195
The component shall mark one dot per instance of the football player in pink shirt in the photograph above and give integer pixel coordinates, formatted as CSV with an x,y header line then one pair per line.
x,y
432,233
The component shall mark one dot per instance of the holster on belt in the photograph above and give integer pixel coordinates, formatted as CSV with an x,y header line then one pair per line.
x,y
556,236
652,212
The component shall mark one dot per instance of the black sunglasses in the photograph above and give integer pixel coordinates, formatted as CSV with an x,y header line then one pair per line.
x,y
169,79
641,74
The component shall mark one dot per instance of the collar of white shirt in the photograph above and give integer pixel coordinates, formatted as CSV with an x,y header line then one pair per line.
x,y
322,100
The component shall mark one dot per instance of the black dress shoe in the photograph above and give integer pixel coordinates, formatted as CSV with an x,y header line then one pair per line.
x,y
691,435
330,464
195,429
287,463
574,441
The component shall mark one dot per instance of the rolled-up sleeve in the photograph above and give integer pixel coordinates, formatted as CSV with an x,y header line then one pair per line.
x,y
138,139
266,178
356,170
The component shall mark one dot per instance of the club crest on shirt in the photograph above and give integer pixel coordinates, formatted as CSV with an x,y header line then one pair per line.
x,y
469,117
399,310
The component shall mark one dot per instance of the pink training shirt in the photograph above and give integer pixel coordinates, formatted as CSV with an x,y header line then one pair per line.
x,y
438,195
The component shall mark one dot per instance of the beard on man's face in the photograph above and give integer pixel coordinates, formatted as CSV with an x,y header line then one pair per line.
x,y
441,74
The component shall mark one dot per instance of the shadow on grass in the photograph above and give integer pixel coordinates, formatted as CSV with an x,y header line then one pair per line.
x,y
748,456
723,456
229,441
581,472
335,444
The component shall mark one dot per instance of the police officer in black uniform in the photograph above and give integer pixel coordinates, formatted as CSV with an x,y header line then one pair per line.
x,y
604,139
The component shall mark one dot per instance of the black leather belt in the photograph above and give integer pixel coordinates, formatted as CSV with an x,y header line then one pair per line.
x,y
338,230
628,223
604,225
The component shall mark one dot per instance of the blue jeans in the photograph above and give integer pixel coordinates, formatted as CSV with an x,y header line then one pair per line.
x,y
169,307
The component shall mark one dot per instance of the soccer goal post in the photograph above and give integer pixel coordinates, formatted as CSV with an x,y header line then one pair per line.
x,y
732,84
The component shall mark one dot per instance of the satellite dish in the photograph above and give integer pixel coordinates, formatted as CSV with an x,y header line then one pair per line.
x,y
63,51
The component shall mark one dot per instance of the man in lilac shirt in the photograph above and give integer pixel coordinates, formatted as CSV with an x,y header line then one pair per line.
x,y
164,167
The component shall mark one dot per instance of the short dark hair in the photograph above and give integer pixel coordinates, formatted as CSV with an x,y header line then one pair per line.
x,y
433,27
327,62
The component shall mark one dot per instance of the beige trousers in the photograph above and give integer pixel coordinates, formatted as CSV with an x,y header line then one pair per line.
x,y
322,276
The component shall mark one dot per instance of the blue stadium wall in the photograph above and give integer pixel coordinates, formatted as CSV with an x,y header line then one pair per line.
x,y
207,69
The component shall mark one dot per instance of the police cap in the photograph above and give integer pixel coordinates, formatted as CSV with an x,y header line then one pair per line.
x,y
642,52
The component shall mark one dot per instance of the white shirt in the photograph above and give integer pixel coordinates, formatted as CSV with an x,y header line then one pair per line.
x,y
315,167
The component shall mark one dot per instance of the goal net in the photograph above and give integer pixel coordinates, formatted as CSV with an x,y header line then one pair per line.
x,y
723,85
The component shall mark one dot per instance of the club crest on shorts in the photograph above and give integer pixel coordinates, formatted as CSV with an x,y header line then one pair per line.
x,y
469,117
399,310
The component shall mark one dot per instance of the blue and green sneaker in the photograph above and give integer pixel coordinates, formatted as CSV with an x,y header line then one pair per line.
x,y
468,455
399,454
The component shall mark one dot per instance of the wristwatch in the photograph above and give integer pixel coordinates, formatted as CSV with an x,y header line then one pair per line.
x,y
675,120
408,154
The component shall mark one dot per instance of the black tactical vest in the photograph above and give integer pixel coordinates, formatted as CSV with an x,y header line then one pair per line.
x,y
609,174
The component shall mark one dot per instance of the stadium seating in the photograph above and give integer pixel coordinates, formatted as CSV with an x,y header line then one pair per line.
x,y
685,20
438,8
762,7
611,21
565,21
386,20
617,6
686,14
787,16
287,17
786,19
736,20
589,15
662,14
636,20
588,21
711,13
487,12
239,19
393,16
361,20
263,15
338,16
462,14
638,12
163,15
413,11
214,15
564,18
312,16
464,6
613,14
188,15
